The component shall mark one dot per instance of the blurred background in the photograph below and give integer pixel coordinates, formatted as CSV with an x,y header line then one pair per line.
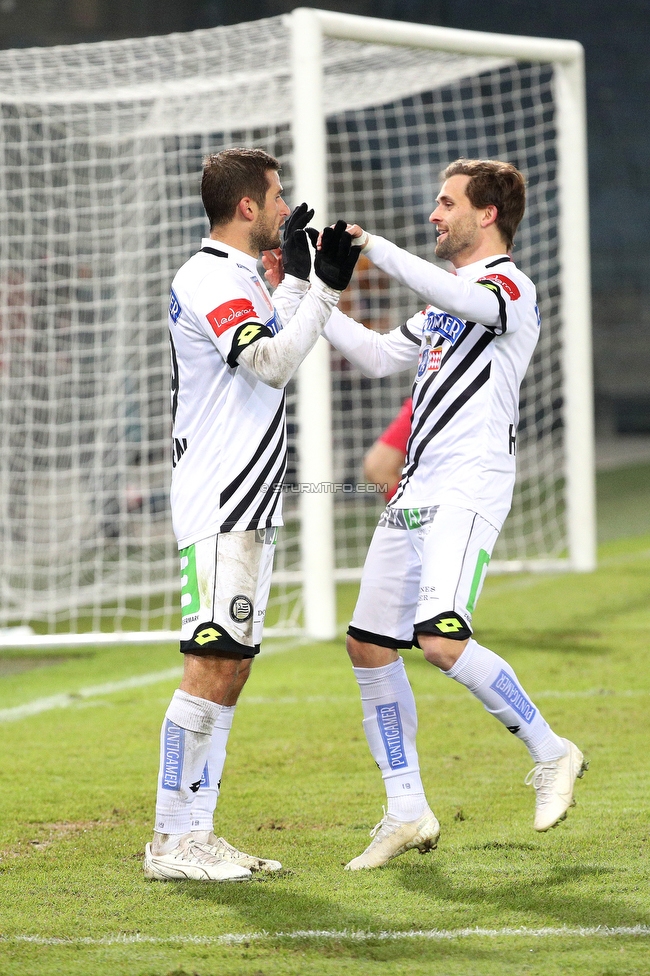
x,y
614,36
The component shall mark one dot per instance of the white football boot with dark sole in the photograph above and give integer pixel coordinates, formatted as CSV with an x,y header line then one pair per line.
x,y
191,862
220,847
391,837
553,783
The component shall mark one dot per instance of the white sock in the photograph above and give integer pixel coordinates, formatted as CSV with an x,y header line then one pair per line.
x,y
205,801
390,723
184,745
495,684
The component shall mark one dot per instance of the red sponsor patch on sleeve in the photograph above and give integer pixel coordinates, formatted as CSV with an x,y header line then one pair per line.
x,y
507,284
231,313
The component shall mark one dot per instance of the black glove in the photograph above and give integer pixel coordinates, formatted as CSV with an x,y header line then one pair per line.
x,y
296,257
335,261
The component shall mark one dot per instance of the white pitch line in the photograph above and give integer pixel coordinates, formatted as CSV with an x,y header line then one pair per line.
x,y
235,938
346,699
68,699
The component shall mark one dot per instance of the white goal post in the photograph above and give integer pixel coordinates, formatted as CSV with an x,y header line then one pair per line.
x,y
309,27
100,161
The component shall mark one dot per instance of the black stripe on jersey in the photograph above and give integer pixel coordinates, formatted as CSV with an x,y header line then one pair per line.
x,y
493,264
230,489
419,389
404,329
222,254
459,402
277,478
442,422
240,510
175,381
503,315
482,343
444,388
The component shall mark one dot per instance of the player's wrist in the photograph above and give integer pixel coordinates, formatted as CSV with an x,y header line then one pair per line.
x,y
321,290
295,284
369,240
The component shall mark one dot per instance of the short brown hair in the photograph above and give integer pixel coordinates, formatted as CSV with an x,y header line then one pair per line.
x,y
230,175
492,182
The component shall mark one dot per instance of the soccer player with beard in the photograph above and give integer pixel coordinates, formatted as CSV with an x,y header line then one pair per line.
x,y
429,554
233,352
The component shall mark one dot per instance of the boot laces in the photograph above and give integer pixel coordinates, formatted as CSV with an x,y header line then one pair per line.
x,y
384,828
542,778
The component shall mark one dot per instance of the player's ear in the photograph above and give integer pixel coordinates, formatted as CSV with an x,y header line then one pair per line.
x,y
247,208
489,215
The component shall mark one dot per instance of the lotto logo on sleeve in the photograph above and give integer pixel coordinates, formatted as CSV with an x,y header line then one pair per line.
x,y
231,313
390,728
512,694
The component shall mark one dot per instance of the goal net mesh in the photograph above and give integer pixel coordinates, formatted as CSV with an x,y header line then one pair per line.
x,y
100,161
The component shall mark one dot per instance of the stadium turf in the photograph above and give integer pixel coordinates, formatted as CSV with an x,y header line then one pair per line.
x,y
78,779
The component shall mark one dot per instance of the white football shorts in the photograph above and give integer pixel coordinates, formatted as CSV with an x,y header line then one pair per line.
x,y
423,574
225,584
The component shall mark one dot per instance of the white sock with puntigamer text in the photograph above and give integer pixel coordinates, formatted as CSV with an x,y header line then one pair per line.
x,y
495,684
184,746
390,723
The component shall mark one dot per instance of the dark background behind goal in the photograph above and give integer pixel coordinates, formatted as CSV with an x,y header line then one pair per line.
x,y
615,37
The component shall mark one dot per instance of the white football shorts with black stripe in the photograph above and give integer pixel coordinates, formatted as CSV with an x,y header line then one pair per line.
x,y
225,584
423,574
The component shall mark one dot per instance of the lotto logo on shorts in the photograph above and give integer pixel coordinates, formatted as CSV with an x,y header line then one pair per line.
x,y
512,694
390,727
230,313
450,625
174,747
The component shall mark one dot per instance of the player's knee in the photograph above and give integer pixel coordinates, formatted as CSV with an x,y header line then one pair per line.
x,y
355,649
244,671
366,655
441,651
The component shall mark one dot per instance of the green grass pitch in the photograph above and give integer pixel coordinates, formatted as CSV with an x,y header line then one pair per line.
x,y
78,780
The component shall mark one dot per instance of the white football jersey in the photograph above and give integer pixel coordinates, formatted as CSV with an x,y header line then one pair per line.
x,y
229,440
466,398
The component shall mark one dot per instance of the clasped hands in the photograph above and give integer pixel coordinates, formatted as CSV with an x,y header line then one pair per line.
x,y
336,251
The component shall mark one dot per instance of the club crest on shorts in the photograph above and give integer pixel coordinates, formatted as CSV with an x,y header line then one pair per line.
x,y
241,608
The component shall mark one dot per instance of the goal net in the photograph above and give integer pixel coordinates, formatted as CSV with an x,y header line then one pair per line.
x,y
100,164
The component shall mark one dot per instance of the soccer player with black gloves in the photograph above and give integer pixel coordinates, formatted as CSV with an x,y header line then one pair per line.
x,y
233,351
429,554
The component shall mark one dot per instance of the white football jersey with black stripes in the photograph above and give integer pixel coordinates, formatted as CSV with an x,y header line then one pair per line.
x,y
462,446
229,438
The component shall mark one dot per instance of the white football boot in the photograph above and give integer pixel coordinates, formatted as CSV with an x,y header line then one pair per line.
x,y
553,783
220,848
190,861
391,837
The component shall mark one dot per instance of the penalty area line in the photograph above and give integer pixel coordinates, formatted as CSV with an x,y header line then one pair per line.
x,y
344,935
